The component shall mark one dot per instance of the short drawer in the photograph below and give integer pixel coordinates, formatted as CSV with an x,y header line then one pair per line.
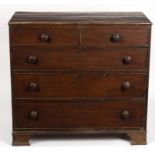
x,y
50,85
43,35
44,58
115,37
68,114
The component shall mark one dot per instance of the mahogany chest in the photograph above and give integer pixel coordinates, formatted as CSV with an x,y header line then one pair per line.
x,y
79,74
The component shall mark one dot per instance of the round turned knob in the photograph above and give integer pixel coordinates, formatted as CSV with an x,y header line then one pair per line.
x,y
44,37
127,60
33,115
115,37
125,115
126,85
33,86
32,59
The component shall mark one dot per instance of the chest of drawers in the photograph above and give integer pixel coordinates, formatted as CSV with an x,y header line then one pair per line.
x,y
79,74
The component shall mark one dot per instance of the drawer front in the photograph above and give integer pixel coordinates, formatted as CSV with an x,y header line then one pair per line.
x,y
78,114
103,37
41,58
79,85
43,35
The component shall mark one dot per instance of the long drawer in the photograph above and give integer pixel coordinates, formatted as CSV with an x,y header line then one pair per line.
x,y
69,114
100,84
45,58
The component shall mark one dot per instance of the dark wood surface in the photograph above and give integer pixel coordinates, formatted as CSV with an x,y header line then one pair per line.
x,y
101,37
78,115
78,36
84,59
103,17
79,73
79,85
57,36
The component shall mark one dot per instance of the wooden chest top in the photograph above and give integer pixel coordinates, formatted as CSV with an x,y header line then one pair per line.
x,y
74,17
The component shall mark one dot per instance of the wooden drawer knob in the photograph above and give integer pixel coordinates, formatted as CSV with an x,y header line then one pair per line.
x,y
115,37
125,115
33,115
33,86
44,37
32,59
127,60
126,85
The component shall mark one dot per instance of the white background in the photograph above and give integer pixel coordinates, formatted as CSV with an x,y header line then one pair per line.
x,y
76,146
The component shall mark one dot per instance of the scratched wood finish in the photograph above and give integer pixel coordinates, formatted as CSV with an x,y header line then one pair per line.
x,y
79,74
90,17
